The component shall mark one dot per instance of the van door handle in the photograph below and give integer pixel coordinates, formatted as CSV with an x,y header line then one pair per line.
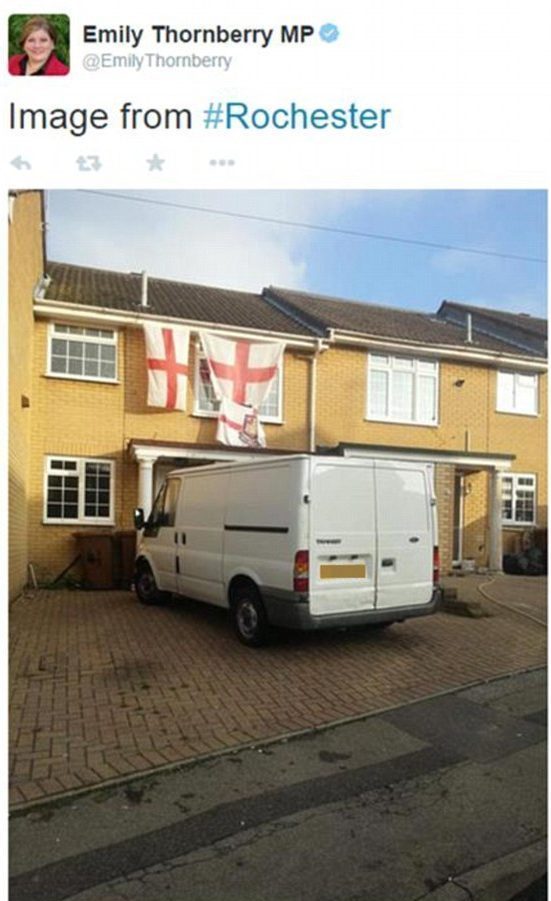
x,y
387,561
414,539
183,537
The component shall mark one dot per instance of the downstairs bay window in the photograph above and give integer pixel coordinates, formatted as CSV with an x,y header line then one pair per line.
x,y
78,490
518,498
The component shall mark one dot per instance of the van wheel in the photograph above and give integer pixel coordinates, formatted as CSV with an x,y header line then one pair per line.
x,y
249,616
146,587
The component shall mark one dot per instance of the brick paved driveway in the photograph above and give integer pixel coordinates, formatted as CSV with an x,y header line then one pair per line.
x,y
102,687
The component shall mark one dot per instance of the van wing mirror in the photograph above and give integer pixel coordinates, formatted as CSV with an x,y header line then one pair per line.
x,y
139,519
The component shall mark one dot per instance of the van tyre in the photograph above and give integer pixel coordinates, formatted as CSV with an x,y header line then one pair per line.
x,y
249,616
146,587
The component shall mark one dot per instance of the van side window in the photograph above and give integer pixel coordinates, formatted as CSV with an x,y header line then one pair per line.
x,y
170,502
155,517
163,512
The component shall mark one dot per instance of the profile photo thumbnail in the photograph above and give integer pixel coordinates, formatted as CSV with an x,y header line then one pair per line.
x,y
38,44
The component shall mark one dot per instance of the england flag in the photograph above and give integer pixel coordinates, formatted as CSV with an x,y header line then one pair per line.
x,y
241,371
166,348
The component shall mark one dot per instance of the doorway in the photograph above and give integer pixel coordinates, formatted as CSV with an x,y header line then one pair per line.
x,y
458,501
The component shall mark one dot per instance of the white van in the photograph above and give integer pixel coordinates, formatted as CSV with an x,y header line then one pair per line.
x,y
302,541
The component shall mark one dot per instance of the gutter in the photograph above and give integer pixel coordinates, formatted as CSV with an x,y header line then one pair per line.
x,y
484,357
77,313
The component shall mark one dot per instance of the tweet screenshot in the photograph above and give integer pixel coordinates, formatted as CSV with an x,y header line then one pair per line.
x,y
275,393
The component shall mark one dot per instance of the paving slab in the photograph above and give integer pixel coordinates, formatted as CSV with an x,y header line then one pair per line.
x,y
102,688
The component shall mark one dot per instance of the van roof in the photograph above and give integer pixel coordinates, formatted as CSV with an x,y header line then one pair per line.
x,y
233,464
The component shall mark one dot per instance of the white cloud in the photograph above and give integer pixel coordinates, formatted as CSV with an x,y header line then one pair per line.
x,y
190,245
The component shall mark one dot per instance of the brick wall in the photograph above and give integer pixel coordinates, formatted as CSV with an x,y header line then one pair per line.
x,y
25,269
444,488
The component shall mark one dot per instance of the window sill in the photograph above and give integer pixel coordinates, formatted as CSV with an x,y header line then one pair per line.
x,y
98,524
80,378
202,415
518,413
518,526
425,425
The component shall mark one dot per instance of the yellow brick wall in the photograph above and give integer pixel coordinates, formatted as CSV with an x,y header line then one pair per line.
x,y
25,269
89,419
444,487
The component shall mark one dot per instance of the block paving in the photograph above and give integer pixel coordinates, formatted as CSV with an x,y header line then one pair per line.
x,y
102,687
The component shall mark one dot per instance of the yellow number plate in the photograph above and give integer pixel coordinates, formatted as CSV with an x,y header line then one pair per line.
x,y
343,571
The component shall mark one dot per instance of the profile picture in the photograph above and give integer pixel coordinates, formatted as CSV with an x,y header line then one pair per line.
x,y
38,44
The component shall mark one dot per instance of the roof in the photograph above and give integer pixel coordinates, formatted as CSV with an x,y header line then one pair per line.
x,y
122,291
323,313
276,310
530,324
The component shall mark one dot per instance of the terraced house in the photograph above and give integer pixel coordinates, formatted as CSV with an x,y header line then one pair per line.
x,y
464,389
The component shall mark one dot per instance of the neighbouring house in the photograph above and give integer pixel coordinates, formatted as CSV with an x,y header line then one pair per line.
x,y
356,379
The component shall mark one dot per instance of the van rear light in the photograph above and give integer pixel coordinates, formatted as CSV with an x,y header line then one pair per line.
x,y
436,566
301,572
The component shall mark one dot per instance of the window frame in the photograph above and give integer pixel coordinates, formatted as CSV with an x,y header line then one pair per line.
x,y
514,477
212,414
85,339
80,472
511,409
390,368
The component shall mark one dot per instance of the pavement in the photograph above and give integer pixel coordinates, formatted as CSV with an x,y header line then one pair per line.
x,y
103,689
443,799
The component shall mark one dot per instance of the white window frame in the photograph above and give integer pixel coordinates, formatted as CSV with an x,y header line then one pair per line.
x,y
101,339
80,473
514,478
212,414
393,365
512,407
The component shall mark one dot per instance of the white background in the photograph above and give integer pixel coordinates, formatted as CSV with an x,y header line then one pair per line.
x,y
468,83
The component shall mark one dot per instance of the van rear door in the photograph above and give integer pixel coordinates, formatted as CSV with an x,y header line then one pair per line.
x,y
343,537
406,539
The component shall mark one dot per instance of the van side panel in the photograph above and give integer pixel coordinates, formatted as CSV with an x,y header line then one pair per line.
x,y
343,545
405,525
199,527
265,519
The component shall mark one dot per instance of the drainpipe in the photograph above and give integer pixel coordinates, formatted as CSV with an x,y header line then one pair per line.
x,y
320,347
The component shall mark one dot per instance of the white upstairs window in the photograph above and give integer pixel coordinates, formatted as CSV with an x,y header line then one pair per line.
x,y
517,392
402,389
79,352
207,405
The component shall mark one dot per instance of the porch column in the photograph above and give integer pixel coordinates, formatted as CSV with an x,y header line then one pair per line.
x,y
494,511
145,485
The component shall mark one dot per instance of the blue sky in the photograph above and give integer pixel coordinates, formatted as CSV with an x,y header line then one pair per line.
x,y
233,251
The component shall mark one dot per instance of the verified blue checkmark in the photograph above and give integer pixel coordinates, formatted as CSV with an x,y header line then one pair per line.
x,y
329,32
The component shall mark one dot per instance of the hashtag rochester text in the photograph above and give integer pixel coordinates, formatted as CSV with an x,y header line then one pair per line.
x,y
294,117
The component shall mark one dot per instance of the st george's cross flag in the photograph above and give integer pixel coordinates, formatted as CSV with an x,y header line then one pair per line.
x,y
239,426
241,371
166,350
